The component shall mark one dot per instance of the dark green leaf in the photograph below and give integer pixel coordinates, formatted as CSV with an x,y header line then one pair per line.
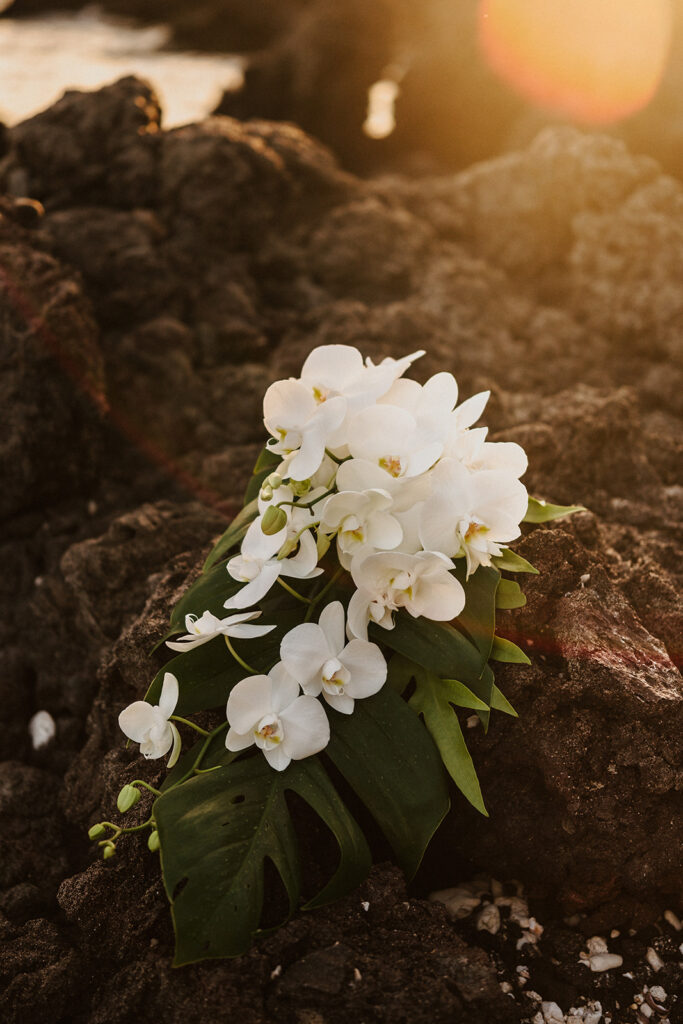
x,y
233,535
510,561
478,617
208,593
390,761
435,645
543,512
266,464
433,699
217,831
505,650
399,673
499,702
509,595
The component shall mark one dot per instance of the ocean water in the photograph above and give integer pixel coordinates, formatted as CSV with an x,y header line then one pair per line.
x,y
42,57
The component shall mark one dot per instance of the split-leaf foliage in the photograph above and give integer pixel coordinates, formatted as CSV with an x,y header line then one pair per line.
x,y
225,820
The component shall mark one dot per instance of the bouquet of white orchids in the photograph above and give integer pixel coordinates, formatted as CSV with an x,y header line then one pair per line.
x,y
370,549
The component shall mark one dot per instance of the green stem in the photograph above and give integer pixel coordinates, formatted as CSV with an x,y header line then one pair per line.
x,y
185,721
117,830
140,782
334,457
319,596
198,760
240,661
293,592
306,504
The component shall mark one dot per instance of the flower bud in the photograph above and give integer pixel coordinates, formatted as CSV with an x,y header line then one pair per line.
x,y
266,492
287,548
274,481
96,831
127,798
108,851
273,520
153,841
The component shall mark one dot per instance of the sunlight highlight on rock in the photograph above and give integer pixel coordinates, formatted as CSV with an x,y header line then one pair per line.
x,y
595,61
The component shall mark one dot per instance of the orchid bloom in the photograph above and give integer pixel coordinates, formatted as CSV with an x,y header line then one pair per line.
x,y
258,566
149,724
476,453
320,660
472,514
205,627
300,425
361,520
421,583
268,711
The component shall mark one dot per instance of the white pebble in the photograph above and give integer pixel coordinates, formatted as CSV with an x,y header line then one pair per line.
x,y
658,993
356,974
596,945
42,729
488,919
472,721
459,902
673,920
645,1010
615,933
276,972
584,579
604,962
654,959
506,987
365,905
552,1014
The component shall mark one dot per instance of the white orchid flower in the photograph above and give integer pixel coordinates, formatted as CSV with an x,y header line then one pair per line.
x,y
322,662
268,711
391,438
472,514
421,583
300,425
476,453
149,724
406,492
361,521
205,627
258,566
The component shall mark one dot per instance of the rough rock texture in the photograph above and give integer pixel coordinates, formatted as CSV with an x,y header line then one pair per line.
x,y
180,272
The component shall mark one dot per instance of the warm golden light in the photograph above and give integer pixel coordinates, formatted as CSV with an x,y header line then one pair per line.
x,y
595,61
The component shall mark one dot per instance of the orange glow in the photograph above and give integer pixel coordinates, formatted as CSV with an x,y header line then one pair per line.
x,y
595,61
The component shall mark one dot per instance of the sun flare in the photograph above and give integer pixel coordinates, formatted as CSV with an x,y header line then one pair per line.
x,y
596,61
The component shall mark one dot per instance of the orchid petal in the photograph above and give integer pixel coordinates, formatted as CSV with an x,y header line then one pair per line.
x,y
304,650
248,702
257,588
239,741
169,695
305,726
136,720
341,702
332,624
284,687
177,746
277,758
367,666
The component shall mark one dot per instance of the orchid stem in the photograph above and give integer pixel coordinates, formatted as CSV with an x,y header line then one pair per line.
x,y
140,782
240,661
318,597
185,721
293,592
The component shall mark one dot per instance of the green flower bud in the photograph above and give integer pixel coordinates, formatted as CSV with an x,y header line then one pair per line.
x,y
273,520
300,487
153,841
108,851
96,831
127,798
274,481
266,492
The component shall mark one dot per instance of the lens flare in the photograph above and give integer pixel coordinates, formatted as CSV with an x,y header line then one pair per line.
x,y
595,61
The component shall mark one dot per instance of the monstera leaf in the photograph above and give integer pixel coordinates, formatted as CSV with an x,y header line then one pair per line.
x,y
218,829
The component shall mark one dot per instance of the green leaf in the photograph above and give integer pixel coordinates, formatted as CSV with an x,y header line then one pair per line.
x,y
435,645
478,617
208,593
399,672
233,535
510,561
217,831
390,761
266,464
499,702
542,512
505,650
509,595
433,699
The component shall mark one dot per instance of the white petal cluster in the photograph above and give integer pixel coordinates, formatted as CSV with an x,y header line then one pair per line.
x,y
149,724
394,473
398,477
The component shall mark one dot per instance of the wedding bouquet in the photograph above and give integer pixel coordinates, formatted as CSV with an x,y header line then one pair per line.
x,y
340,620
